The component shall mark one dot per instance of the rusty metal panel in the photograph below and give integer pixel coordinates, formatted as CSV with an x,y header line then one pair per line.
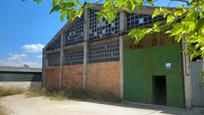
x,y
197,88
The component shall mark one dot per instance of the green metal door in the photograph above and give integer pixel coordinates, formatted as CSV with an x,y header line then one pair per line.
x,y
140,65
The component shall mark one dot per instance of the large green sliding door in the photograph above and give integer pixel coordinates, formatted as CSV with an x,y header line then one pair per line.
x,y
140,67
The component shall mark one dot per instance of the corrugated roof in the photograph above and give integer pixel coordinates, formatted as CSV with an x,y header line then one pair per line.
x,y
19,69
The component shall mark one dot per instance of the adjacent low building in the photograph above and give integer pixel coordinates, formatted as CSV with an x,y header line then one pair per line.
x,y
97,57
21,77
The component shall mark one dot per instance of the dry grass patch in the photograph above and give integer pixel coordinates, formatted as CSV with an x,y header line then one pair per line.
x,y
56,94
6,91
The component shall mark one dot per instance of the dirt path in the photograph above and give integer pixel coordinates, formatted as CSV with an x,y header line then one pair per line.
x,y
22,105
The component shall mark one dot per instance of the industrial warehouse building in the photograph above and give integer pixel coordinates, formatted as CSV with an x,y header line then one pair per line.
x,y
98,58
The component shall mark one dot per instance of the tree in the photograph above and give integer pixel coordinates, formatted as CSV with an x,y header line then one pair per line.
x,y
184,22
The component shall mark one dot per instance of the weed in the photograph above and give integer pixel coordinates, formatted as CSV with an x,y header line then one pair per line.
x,y
6,91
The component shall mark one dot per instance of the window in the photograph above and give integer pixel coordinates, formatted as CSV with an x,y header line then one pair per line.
x,y
53,59
104,52
102,28
73,56
75,33
138,20
54,45
141,20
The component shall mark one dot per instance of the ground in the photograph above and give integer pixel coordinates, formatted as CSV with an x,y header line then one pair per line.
x,y
23,105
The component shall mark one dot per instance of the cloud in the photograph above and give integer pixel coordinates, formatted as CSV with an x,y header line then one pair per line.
x,y
30,55
17,57
39,56
19,60
33,48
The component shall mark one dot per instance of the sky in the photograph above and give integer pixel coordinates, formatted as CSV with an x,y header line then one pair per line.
x,y
26,27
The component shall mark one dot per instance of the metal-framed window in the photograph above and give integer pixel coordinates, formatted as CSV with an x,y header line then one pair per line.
x,y
138,20
73,56
75,33
53,59
54,45
102,28
104,52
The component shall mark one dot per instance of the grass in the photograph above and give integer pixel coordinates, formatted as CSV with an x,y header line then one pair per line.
x,y
53,94
7,91
56,94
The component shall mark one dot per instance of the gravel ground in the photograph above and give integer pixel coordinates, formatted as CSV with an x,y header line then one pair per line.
x,y
22,105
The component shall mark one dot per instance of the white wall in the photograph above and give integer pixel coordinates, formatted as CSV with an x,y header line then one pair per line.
x,y
26,84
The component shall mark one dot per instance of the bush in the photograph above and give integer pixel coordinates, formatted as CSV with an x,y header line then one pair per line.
x,y
6,91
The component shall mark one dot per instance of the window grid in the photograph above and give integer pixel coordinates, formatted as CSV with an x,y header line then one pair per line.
x,y
104,52
75,34
54,45
53,59
102,28
138,20
73,57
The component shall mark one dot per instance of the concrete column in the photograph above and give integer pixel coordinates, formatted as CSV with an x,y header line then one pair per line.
x,y
123,26
203,71
187,77
121,66
44,65
61,62
86,36
123,21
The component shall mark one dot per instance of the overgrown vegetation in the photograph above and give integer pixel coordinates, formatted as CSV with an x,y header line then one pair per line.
x,y
56,94
6,91
52,94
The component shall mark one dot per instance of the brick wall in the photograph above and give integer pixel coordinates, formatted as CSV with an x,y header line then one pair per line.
x,y
73,77
51,80
104,80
